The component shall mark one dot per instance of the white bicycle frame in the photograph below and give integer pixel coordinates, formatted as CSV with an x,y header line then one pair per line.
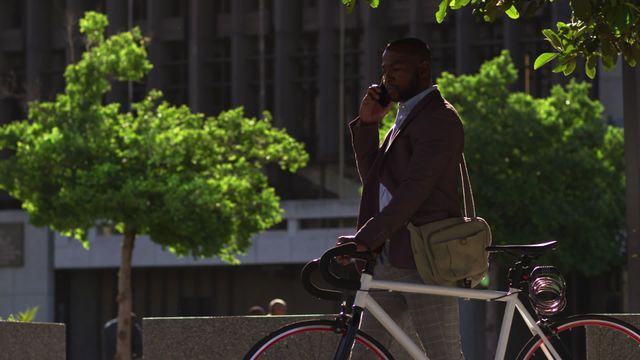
x,y
365,301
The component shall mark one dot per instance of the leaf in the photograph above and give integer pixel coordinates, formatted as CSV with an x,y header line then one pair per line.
x,y
512,12
635,52
627,52
562,27
581,9
350,4
373,3
569,67
543,59
559,68
458,4
590,67
553,38
442,11
621,18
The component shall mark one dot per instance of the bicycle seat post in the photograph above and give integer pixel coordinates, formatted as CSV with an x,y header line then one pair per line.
x,y
519,273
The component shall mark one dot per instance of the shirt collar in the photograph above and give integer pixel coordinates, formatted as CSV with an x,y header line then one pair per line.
x,y
404,108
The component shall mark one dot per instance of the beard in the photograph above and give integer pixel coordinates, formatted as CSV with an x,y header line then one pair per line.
x,y
411,90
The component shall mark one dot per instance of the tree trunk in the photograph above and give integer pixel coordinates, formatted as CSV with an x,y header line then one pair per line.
x,y
123,342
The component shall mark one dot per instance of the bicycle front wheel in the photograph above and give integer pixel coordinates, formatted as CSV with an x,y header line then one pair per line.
x,y
588,337
313,339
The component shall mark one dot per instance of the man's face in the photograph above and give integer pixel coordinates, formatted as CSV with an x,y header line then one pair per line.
x,y
279,309
403,74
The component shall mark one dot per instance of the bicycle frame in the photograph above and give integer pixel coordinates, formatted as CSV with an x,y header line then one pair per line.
x,y
365,301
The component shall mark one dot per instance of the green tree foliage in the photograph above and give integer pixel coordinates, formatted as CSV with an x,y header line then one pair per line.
x,y
387,122
597,30
546,168
194,183
24,316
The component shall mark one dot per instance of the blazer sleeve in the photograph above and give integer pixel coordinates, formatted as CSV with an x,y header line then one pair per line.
x,y
364,139
434,147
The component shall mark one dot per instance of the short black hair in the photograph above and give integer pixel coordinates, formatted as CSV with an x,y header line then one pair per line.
x,y
411,45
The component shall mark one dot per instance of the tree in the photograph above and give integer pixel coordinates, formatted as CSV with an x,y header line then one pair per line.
x,y
597,30
195,184
548,168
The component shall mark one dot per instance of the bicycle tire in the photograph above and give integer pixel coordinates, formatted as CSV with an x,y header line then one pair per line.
x,y
311,339
612,338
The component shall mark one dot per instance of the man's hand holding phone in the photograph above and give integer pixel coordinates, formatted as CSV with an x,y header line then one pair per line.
x,y
375,105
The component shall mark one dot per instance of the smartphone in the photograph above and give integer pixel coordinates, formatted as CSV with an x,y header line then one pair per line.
x,y
384,96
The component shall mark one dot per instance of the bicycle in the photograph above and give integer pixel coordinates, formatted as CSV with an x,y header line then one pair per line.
x,y
537,293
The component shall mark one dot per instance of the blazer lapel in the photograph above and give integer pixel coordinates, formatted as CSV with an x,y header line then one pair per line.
x,y
435,94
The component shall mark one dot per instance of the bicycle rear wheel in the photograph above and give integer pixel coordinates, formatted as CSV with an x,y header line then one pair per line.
x,y
588,337
313,339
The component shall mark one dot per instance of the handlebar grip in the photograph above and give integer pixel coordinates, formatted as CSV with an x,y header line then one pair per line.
x,y
314,290
325,263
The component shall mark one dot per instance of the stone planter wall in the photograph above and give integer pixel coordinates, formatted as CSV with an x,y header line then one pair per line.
x,y
32,341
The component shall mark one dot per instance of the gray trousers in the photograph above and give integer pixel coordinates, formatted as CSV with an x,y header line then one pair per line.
x,y
435,319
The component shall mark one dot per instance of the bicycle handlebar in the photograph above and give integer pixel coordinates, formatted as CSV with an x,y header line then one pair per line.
x,y
324,265
314,290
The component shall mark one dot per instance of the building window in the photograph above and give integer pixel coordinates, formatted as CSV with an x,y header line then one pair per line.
x,y
222,6
442,41
55,77
12,74
175,72
538,82
12,14
255,58
488,42
306,88
139,10
218,75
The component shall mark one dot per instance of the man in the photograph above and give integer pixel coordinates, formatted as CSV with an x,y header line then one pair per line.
x,y
277,307
411,177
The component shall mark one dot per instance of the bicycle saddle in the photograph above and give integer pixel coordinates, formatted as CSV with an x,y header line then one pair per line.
x,y
532,250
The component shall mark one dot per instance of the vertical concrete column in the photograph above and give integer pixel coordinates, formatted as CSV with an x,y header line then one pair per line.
x,y
155,16
118,14
36,48
374,40
199,10
240,91
631,93
327,122
511,42
417,23
464,34
287,28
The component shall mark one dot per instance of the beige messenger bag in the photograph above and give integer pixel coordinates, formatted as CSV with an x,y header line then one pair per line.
x,y
452,252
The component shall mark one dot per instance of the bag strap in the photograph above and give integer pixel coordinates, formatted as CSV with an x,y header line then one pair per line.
x,y
467,193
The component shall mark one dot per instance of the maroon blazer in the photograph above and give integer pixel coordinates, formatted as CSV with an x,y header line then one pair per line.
x,y
418,166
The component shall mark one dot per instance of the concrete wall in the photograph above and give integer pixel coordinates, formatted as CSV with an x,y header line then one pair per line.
x,y
603,344
32,341
31,283
208,338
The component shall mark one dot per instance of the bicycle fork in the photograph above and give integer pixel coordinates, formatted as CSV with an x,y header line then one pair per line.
x,y
346,343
